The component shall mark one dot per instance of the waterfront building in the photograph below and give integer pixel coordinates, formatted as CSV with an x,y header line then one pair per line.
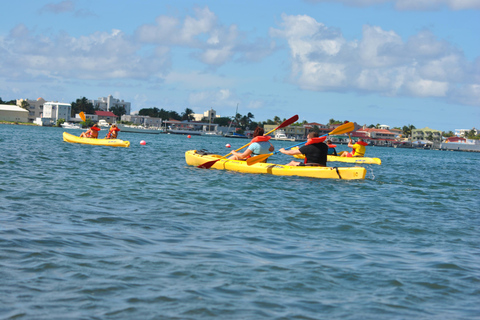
x,y
464,132
426,134
108,116
297,132
13,113
209,115
107,103
35,108
56,110
146,121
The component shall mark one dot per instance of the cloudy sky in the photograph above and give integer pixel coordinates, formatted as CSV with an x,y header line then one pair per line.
x,y
393,62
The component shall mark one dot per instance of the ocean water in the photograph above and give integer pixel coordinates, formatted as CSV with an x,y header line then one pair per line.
x,y
91,232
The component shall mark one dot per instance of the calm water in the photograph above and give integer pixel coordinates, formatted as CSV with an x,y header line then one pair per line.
x,y
133,233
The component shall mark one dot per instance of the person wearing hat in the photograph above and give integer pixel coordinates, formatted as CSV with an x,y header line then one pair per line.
x,y
113,132
358,148
92,132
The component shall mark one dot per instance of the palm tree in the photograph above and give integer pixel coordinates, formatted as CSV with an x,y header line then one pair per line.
x,y
276,119
187,114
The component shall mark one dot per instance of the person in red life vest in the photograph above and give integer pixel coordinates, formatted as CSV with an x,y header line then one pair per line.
x,y
91,133
331,148
260,144
358,148
315,152
113,132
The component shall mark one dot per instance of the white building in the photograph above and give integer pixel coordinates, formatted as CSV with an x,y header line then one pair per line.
x,y
107,103
464,132
57,110
13,113
146,121
35,108
210,115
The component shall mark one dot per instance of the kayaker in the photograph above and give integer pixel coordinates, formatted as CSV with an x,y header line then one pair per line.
x,y
331,148
113,132
315,152
260,144
91,133
358,148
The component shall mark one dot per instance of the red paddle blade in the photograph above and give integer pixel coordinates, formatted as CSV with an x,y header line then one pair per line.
x,y
288,122
208,164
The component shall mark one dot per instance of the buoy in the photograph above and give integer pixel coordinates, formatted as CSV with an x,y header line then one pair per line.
x,y
189,136
143,142
228,145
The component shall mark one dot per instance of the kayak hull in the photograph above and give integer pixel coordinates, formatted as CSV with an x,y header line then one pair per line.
x,y
351,173
67,137
332,158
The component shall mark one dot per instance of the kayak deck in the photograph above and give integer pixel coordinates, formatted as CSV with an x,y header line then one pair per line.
x,y
67,137
347,173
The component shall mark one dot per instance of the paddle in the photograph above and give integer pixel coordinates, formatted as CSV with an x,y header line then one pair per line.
x,y
82,116
347,127
284,124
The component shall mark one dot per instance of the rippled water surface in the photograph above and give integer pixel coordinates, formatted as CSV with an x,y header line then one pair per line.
x,y
89,232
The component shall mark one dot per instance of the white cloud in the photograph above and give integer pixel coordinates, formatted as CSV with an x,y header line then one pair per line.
x,y
196,80
101,55
222,99
63,6
215,44
380,62
412,5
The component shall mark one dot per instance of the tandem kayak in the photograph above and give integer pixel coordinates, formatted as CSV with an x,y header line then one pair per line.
x,y
332,158
67,137
196,159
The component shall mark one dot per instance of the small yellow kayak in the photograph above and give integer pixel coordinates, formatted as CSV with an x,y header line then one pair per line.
x,y
67,137
348,173
332,158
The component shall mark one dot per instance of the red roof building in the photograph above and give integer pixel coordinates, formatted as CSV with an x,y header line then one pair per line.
x,y
108,116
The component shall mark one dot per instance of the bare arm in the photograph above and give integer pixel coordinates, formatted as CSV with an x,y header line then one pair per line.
x,y
290,152
242,155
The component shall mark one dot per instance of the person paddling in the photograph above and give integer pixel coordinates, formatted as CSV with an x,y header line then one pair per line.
x,y
91,133
315,152
260,144
331,148
358,148
113,132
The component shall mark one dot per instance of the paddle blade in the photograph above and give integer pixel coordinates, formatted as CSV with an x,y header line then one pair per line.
x,y
259,158
346,127
82,116
288,122
208,164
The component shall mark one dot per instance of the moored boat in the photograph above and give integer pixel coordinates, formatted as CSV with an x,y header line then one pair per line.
x,y
69,125
67,137
348,173
139,129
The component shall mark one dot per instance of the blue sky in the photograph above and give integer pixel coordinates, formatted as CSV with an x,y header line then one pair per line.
x,y
393,62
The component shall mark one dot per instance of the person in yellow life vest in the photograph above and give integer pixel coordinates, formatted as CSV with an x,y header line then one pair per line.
x,y
358,148
91,133
258,145
113,132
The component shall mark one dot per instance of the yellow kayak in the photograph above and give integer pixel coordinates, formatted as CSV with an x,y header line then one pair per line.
x,y
332,158
67,137
195,159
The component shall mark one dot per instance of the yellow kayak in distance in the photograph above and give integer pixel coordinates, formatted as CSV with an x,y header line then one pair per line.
x,y
67,137
347,173
332,158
